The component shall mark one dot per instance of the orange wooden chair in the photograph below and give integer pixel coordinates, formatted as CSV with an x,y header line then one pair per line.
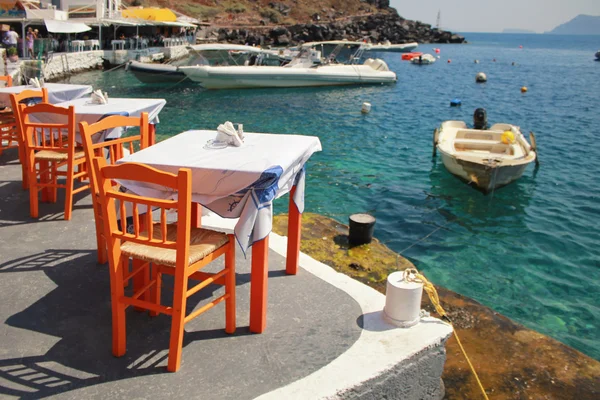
x,y
50,146
15,100
112,150
175,249
8,125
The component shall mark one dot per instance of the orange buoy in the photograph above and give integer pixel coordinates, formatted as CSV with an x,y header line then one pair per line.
x,y
524,89
449,61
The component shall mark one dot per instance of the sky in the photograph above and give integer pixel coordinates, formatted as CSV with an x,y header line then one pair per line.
x,y
493,15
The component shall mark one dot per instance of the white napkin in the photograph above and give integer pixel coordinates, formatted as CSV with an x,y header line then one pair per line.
x,y
35,82
227,133
98,97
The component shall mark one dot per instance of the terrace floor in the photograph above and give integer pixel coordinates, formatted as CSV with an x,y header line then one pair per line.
x,y
324,335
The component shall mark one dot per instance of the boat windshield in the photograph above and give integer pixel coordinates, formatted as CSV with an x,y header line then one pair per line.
x,y
331,52
224,57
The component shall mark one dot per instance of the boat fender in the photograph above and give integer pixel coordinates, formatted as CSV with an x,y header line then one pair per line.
x,y
508,137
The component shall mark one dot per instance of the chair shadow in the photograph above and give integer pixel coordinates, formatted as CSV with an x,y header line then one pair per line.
x,y
78,312
15,205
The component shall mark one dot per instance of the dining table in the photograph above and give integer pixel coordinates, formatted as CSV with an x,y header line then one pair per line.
x,y
239,182
57,92
91,112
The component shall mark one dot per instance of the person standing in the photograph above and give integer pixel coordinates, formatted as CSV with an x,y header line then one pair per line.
x,y
30,37
11,38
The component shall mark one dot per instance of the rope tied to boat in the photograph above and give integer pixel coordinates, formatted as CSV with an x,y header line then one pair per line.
x,y
413,275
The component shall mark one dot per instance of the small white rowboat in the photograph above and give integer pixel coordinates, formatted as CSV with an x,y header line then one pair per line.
x,y
489,158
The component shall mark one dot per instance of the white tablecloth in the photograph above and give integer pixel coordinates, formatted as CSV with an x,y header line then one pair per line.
x,y
57,92
90,113
234,182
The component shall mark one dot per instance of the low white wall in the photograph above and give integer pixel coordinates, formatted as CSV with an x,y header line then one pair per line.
x,y
175,52
62,64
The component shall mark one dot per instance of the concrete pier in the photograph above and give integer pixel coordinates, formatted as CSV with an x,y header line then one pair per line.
x,y
59,65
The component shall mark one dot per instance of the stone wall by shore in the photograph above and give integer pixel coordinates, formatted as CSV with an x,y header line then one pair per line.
x,y
375,28
513,362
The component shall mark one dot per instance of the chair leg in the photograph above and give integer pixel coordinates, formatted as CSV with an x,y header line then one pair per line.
x,y
230,286
177,320
118,309
101,244
69,193
157,277
33,191
45,179
54,190
23,161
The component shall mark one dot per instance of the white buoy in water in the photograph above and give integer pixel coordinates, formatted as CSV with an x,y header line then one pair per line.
x,y
402,300
366,108
480,77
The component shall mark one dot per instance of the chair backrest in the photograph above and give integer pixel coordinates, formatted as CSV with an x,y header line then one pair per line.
x,y
111,198
58,135
113,150
7,79
21,98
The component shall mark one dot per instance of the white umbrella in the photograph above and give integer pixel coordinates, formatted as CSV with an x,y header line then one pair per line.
x,y
55,26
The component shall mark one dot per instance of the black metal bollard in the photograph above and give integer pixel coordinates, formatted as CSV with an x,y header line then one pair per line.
x,y
361,229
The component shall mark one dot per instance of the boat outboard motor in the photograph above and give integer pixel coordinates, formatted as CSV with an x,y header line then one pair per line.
x,y
480,119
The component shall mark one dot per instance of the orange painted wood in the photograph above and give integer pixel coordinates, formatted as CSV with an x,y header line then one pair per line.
x,y
152,136
258,285
196,215
294,234
115,149
55,138
147,295
15,100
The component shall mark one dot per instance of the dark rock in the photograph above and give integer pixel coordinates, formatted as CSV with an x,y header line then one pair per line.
x,y
377,27
283,9
282,40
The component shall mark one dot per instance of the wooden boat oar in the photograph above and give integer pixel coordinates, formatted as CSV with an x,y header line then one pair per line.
x,y
534,148
435,133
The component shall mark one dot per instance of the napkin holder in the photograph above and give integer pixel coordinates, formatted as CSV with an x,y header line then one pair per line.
x,y
226,133
98,97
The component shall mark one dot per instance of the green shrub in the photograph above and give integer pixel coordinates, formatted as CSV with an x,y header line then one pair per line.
x,y
12,51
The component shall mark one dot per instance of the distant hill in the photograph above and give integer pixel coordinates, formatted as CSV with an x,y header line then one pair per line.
x,y
580,25
511,30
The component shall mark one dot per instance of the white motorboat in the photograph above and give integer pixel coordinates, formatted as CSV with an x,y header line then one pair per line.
x,y
423,59
203,54
309,68
487,158
392,48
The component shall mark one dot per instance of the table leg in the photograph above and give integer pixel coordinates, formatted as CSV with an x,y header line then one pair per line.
x,y
294,234
258,285
196,215
152,138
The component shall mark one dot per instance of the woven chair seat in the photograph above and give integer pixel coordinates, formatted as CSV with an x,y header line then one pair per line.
x,y
51,155
202,243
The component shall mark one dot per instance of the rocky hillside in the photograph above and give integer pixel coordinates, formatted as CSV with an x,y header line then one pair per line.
x,y
283,22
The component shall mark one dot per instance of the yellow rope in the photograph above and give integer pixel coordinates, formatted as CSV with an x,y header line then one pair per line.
x,y
435,300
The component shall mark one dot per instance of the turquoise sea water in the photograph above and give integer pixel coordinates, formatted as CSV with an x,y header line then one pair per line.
x,y
531,250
